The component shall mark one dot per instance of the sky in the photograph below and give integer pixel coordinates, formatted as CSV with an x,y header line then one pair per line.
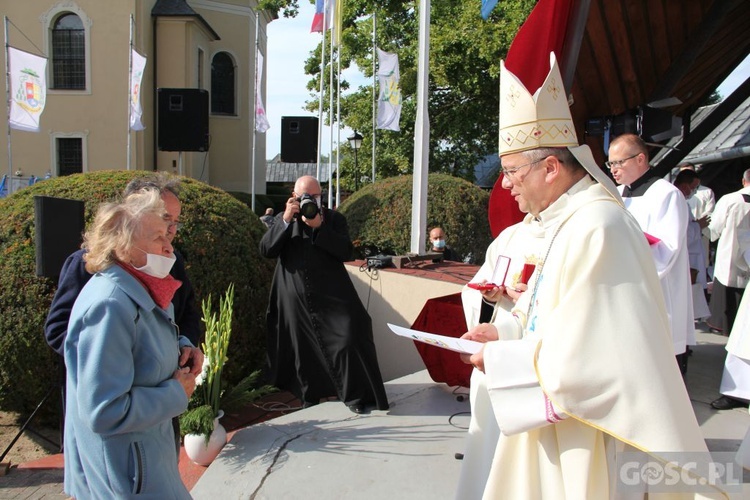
x,y
289,45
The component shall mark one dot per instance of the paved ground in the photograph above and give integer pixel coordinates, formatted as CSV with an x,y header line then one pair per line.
x,y
412,446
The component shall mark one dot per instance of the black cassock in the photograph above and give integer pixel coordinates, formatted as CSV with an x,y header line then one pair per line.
x,y
320,340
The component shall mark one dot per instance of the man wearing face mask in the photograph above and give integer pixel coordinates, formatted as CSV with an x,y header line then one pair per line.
x,y
437,240
320,341
74,276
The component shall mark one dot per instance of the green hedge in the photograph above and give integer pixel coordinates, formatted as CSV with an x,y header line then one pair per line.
x,y
379,216
219,240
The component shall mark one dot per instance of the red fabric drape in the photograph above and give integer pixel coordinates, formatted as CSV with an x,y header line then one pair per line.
x,y
444,316
503,209
528,58
543,32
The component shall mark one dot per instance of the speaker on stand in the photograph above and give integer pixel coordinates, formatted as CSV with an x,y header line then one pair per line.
x,y
299,139
59,225
182,120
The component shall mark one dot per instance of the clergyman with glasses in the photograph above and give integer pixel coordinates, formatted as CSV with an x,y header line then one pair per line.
x,y
663,214
320,341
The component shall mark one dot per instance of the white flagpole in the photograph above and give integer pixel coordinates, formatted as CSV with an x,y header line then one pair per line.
x,y
320,98
338,123
374,95
130,90
421,135
254,99
330,123
8,180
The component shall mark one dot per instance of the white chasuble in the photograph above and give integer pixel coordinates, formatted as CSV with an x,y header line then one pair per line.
x,y
595,369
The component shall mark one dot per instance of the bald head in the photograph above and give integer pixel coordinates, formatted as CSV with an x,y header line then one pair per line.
x,y
632,142
307,184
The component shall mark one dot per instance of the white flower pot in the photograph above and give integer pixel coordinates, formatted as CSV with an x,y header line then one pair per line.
x,y
201,453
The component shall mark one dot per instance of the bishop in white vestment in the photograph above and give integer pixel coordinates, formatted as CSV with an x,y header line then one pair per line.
x,y
583,365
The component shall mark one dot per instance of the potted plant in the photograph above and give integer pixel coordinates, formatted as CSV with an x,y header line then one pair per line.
x,y
204,436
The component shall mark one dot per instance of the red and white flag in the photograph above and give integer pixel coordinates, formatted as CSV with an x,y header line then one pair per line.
x,y
136,76
28,89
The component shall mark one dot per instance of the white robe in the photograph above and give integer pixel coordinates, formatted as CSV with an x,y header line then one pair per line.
x,y
594,370
735,381
663,212
730,218
697,261
702,203
523,243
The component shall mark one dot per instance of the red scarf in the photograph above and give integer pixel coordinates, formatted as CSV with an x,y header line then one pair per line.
x,y
160,289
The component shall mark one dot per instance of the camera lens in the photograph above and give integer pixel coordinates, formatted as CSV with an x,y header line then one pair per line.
x,y
308,208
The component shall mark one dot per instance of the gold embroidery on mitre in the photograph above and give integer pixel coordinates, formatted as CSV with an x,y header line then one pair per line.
x,y
513,96
553,88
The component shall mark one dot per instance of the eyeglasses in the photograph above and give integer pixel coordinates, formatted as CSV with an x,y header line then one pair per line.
x,y
618,163
173,225
511,172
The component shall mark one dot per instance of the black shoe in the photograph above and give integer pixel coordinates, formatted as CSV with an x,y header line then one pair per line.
x,y
357,408
728,403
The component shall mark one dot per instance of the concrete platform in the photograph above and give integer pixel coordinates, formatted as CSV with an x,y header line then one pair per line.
x,y
326,452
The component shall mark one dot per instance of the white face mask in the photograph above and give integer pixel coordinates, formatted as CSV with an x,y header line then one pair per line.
x,y
157,266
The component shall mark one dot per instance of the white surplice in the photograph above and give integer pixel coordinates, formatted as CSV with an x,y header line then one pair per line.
x,y
697,259
735,381
730,219
663,212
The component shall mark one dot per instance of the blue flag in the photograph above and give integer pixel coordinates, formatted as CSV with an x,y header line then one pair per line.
x,y
487,6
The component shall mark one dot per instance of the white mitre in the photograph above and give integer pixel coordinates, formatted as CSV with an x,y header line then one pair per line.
x,y
543,120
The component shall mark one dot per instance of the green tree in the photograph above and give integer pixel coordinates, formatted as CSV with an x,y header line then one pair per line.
x,y
465,54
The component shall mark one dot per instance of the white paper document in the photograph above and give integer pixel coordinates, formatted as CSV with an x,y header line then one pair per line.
x,y
451,343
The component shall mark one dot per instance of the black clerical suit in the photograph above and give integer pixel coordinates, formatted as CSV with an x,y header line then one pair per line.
x,y
320,341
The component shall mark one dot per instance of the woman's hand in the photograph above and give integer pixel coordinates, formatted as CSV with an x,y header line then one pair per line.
x,y
186,380
191,357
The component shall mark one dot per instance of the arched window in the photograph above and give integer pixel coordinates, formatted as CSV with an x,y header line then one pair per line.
x,y
222,85
68,53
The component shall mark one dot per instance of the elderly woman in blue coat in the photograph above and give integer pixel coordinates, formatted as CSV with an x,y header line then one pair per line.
x,y
122,353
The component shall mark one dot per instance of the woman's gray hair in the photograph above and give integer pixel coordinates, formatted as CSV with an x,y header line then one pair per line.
x,y
116,225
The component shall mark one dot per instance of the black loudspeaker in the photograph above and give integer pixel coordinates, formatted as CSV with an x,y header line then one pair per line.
x,y
59,231
299,139
182,120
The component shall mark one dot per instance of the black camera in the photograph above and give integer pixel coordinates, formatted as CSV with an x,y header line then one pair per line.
x,y
308,207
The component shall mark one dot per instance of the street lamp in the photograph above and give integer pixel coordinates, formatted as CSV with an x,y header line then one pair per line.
x,y
355,142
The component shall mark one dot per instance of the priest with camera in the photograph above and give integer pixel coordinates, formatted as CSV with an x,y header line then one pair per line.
x,y
320,341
